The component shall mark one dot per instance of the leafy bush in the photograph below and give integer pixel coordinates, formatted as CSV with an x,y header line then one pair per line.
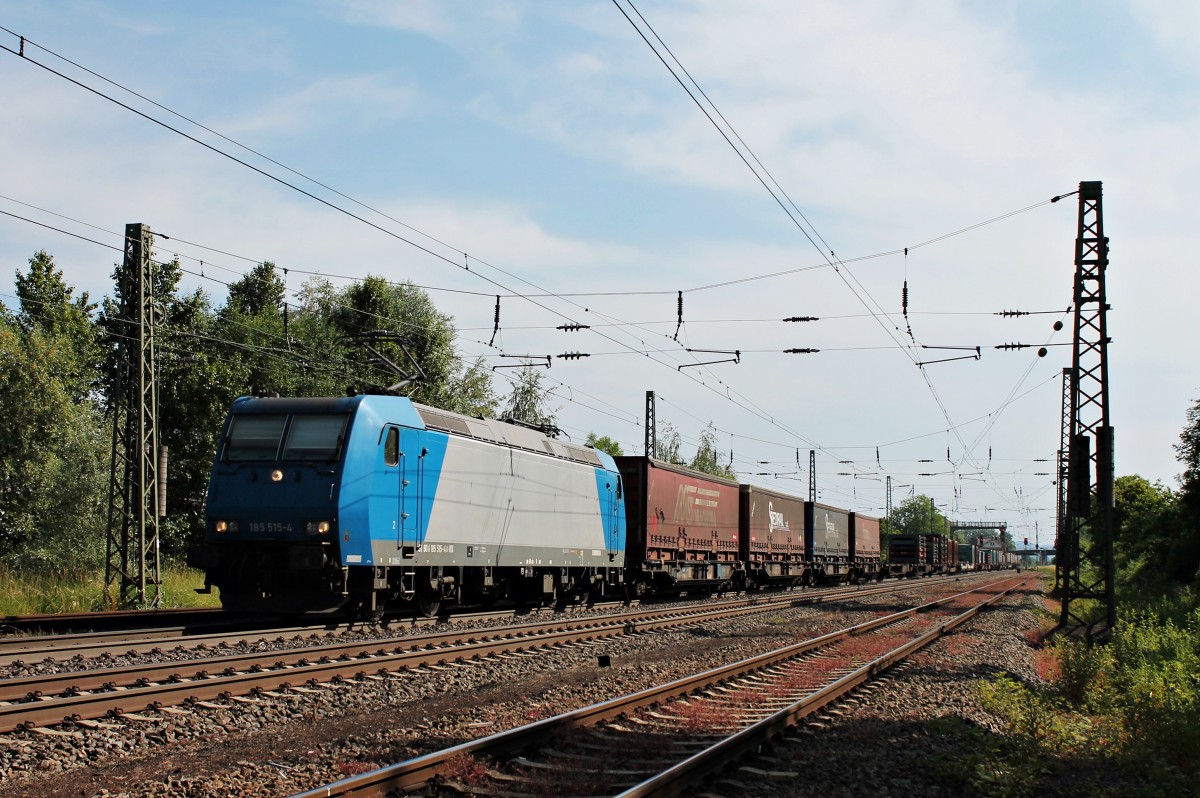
x,y
1156,686
1134,703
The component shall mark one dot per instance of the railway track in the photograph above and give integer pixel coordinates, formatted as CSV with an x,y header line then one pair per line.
x,y
203,629
71,622
665,739
85,697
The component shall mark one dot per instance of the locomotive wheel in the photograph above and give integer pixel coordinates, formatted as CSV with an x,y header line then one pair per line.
x,y
428,601
373,616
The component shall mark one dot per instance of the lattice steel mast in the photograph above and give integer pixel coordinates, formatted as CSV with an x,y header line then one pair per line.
x,y
651,427
1085,542
1064,448
134,491
812,475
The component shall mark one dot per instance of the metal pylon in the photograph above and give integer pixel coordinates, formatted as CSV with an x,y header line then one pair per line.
x,y
134,490
651,427
1085,543
812,476
1064,448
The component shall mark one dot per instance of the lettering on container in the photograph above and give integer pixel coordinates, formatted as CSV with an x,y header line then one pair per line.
x,y
697,505
777,521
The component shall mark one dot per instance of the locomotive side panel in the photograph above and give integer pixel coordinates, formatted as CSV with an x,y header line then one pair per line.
x,y
500,507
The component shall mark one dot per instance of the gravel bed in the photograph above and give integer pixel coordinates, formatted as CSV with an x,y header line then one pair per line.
x,y
279,745
919,731
178,649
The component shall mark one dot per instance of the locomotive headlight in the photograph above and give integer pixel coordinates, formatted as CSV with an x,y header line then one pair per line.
x,y
277,475
317,527
225,526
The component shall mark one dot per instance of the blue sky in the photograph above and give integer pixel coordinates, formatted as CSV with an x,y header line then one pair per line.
x,y
547,141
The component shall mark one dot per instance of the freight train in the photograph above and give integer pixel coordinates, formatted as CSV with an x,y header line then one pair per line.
x,y
364,503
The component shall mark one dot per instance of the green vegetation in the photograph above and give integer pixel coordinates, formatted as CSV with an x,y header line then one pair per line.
x,y
1115,720
1120,719
37,591
668,447
604,443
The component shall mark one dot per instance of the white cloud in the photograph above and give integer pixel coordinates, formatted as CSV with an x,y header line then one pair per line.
x,y
351,102
420,16
1173,24
888,123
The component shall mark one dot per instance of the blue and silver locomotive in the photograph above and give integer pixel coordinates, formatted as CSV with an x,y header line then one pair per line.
x,y
366,502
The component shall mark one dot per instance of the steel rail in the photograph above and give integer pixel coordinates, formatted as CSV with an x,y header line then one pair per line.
x,y
20,651
700,765
56,622
416,772
336,663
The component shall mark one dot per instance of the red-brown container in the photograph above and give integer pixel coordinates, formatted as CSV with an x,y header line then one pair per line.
x,y
678,515
864,538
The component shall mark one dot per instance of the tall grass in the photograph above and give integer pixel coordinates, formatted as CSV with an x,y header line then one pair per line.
x,y
34,592
1132,705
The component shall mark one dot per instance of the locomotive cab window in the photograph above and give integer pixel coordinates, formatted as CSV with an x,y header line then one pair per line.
x,y
254,437
391,447
314,438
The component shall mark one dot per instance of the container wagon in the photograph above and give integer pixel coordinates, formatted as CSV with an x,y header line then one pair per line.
x,y
937,553
681,528
772,537
907,554
864,545
826,542
966,556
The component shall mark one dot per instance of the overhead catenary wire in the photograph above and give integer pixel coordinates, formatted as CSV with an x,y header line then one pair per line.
x,y
561,295
618,417
831,258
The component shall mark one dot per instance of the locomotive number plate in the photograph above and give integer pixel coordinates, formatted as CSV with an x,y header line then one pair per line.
x,y
269,526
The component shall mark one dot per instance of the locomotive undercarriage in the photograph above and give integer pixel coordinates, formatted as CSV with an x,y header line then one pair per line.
x,y
306,579
272,577
427,590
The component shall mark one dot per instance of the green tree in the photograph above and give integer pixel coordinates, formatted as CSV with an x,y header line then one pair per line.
x,y
604,443
198,377
708,459
261,291
529,401
393,334
1148,518
1185,545
406,331
917,514
53,453
668,444
471,391
250,334
48,305
53,456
